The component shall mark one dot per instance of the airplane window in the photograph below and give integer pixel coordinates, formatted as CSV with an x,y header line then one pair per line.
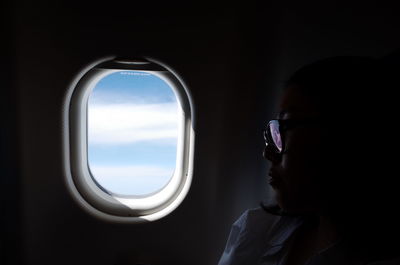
x,y
128,139
133,120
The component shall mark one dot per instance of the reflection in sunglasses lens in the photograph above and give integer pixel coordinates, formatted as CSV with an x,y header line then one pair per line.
x,y
276,136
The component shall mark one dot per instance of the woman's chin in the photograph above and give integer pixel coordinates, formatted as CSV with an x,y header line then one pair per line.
x,y
278,198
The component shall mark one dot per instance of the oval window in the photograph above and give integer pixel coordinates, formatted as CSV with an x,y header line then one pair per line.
x,y
129,140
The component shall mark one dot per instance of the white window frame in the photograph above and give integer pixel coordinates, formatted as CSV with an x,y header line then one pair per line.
x,y
82,184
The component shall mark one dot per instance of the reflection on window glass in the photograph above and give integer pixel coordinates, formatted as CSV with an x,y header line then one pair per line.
x,y
133,120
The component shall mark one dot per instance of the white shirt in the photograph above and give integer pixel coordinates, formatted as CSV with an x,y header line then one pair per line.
x,y
260,238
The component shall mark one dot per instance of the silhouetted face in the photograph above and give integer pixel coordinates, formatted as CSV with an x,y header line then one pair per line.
x,y
296,171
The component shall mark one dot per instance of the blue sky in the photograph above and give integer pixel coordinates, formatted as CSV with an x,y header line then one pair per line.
x,y
132,132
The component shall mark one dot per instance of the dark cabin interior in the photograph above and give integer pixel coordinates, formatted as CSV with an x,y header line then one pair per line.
x,y
234,58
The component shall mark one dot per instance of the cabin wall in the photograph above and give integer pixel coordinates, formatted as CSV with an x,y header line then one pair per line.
x,y
234,59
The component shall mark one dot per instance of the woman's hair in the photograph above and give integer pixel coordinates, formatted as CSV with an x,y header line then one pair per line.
x,y
354,95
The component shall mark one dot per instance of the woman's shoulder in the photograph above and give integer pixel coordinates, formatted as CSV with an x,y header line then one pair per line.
x,y
256,220
262,223
251,234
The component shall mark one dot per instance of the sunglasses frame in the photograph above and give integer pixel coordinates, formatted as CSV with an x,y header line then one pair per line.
x,y
283,126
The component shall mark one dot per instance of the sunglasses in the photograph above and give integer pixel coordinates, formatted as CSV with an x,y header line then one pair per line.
x,y
273,133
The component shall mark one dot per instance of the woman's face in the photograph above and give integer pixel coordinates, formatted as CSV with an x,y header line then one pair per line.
x,y
295,173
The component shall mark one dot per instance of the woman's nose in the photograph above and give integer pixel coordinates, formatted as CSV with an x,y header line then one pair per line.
x,y
271,155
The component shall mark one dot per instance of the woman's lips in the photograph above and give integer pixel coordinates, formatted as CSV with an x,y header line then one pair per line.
x,y
274,180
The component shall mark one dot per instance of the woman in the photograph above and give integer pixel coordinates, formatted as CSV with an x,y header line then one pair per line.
x,y
331,172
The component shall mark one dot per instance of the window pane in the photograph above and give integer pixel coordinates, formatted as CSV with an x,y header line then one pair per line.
x,y
133,120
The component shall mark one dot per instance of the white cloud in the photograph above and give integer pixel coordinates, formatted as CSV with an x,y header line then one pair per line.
x,y
129,123
131,180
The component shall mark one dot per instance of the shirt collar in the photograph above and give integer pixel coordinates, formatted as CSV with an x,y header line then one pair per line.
x,y
283,231
286,227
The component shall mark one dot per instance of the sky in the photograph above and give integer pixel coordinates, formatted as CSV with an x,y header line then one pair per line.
x,y
133,120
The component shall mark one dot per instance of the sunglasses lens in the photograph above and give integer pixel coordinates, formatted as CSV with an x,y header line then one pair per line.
x,y
275,134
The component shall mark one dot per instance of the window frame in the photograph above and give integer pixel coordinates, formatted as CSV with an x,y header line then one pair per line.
x,y
82,184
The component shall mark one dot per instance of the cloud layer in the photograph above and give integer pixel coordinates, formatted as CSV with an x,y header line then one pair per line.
x,y
129,123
